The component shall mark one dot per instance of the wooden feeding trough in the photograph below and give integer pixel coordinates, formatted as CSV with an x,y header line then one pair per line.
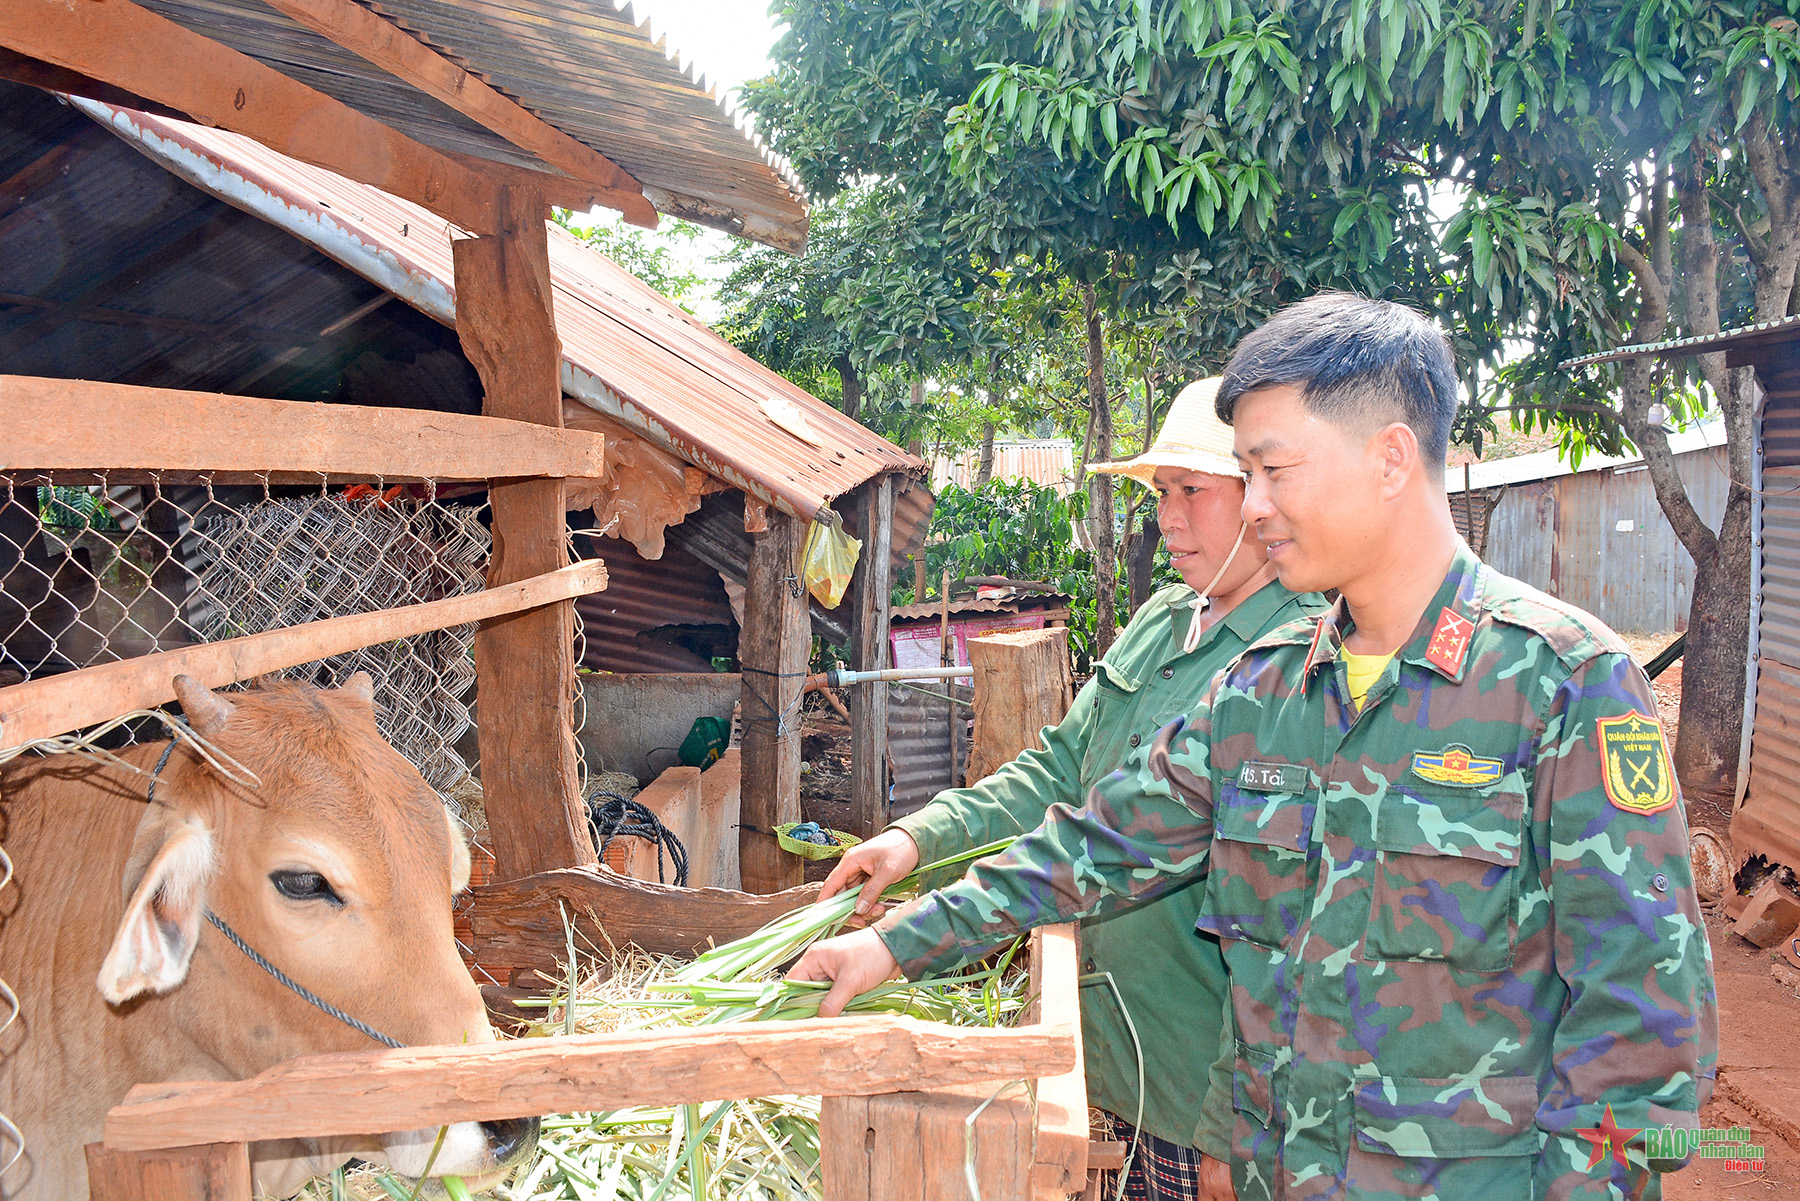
x,y
894,1125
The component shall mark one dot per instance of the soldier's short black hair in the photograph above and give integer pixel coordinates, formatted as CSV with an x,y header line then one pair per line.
x,y
1352,358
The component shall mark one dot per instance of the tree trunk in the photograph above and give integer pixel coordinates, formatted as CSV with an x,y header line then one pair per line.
x,y
1100,484
853,387
985,470
1140,561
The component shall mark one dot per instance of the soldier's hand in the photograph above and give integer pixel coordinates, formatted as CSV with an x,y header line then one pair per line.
x,y
854,963
1215,1180
879,863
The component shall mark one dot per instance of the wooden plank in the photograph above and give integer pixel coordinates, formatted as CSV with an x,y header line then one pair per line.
x,y
1022,684
871,594
120,43
323,1095
520,922
525,663
915,1145
57,704
1060,1155
209,1172
404,56
22,68
773,649
58,424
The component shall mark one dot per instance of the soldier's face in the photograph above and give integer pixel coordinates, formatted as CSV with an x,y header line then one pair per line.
x,y
1199,516
1311,490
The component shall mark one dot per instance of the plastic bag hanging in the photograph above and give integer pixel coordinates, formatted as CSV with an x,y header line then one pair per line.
x,y
828,561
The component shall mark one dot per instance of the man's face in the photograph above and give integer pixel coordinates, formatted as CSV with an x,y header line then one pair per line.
x,y
1311,489
1199,517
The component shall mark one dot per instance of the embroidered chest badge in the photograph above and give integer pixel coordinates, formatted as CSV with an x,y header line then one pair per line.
x,y
1450,641
1634,763
1457,767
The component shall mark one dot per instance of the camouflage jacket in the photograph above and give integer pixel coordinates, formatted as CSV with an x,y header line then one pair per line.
x,y
1171,980
1459,923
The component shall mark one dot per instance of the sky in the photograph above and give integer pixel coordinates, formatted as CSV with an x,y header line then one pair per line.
x,y
729,41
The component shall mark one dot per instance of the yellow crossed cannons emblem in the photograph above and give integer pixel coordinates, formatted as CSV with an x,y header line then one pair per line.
x,y
1635,763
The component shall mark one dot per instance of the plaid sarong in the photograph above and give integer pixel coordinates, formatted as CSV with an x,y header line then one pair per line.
x,y
1160,1171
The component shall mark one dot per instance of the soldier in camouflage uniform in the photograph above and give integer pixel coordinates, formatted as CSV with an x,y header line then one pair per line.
x,y
1170,980
1439,831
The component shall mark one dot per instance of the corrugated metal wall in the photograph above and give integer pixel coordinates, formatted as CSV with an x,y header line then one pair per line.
x,y
1768,821
1599,540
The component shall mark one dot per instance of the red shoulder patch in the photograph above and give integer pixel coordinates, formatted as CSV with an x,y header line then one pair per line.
x,y
1450,641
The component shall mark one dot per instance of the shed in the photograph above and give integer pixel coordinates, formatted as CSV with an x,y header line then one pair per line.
x,y
1596,536
1765,817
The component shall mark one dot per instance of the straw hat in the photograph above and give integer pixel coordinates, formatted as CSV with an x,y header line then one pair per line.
x,y
1192,436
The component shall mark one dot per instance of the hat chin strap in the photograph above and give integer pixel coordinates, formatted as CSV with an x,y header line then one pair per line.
x,y
1200,602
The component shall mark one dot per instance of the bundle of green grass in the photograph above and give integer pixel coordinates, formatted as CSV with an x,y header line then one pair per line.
x,y
763,1149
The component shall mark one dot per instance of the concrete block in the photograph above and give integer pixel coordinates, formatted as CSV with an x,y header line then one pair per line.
x,y
674,797
715,857
702,811
636,723
1771,916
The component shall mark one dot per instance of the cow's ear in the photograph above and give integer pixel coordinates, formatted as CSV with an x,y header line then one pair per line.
x,y
459,854
156,939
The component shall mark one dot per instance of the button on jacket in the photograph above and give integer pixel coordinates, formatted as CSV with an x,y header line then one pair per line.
x,y
1459,922
1173,980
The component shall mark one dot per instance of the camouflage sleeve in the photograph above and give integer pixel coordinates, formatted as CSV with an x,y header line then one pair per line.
x,y
1637,1044
1009,802
1146,828
1217,1114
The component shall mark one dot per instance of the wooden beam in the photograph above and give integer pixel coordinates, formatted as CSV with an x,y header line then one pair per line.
x,y
210,1172
37,73
773,649
520,923
871,594
1060,1154
55,705
79,425
524,664
356,1093
1022,684
122,44
402,55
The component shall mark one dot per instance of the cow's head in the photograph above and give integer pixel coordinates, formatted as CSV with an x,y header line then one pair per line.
x,y
340,868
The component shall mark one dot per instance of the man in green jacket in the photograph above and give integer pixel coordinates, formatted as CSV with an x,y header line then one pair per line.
x,y
1170,979
1441,839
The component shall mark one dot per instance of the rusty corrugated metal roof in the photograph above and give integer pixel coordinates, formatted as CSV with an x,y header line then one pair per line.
x,y
627,351
1781,329
590,68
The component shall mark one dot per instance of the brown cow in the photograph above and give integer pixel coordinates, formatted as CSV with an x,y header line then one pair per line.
x,y
339,868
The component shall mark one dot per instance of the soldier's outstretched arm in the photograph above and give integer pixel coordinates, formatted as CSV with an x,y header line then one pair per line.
x,y
1144,830
1637,1045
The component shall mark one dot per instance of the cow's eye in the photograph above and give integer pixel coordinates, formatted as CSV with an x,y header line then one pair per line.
x,y
304,886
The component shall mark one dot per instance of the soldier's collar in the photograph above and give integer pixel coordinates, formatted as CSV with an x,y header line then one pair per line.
x,y
1445,632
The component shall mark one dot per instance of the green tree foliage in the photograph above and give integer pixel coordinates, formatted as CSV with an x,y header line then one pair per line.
x,y
1624,171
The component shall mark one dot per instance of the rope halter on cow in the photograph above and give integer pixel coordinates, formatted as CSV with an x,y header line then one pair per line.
x,y
256,957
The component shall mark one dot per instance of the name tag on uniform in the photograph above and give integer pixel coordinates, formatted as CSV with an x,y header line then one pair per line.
x,y
1271,777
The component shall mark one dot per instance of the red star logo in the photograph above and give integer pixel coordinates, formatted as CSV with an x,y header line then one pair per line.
x,y
1609,1136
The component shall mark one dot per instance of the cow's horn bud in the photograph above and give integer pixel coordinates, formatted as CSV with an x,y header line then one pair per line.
x,y
207,711
360,685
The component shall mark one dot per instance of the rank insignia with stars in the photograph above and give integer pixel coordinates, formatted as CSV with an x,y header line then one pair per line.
x,y
1634,763
1450,641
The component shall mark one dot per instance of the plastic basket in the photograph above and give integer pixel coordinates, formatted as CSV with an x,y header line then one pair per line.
x,y
812,850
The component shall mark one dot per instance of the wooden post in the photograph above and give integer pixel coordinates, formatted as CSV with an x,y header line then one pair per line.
x,y
871,594
525,663
211,1172
773,649
1022,684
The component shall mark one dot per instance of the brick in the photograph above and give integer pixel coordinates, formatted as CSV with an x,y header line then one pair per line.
x,y
1771,916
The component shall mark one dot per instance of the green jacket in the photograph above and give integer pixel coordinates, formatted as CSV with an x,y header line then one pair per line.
x,y
1172,980
1460,923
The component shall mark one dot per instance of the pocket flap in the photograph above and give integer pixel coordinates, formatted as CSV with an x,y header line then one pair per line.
x,y
1112,677
1274,819
1447,1119
1471,823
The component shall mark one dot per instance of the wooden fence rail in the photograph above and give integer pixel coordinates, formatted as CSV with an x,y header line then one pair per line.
x,y
55,705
